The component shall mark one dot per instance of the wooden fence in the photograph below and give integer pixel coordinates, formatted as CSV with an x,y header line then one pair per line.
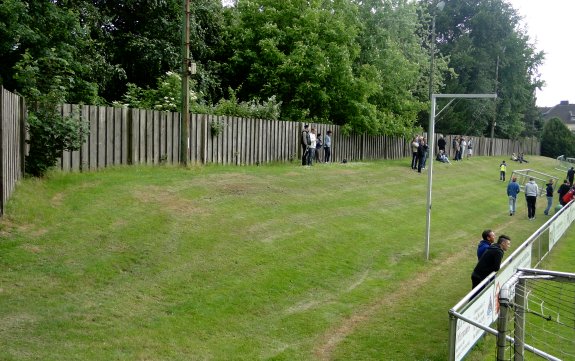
x,y
12,143
119,136
134,136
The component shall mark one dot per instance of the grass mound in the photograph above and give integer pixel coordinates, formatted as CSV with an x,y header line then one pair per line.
x,y
278,262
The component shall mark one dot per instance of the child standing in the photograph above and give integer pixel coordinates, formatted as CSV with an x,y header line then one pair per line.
x,y
502,170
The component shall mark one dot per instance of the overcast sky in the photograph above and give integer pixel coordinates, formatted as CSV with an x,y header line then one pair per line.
x,y
549,24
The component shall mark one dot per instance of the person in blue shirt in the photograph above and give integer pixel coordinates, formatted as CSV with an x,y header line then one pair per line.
x,y
512,192
491,260
488,237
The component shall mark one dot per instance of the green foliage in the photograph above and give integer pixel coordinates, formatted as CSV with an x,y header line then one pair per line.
x,y
50,134
46,83
557,139
216,127
166,97
489,52
363,65
269,109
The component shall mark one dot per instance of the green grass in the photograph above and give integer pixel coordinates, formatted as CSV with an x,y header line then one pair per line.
x,y
276,262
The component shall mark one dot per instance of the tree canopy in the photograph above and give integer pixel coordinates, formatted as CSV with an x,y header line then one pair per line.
x,y
557,139
361,64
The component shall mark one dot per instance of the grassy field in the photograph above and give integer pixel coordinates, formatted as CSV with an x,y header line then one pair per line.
x,y
276,262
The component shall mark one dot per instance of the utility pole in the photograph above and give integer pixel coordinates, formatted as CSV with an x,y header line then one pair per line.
x,y
186,65
493,123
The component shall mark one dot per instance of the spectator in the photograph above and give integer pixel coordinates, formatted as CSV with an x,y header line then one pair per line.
x,y
414,146
513,190
420,154
442,157
549,194
327,147
463,147
457,144
514,157
441,144
305,143
570,175
522,159
531,192
311,148
425,151
469,148
487,239
568,197
563,189
502,170
318,148
490,261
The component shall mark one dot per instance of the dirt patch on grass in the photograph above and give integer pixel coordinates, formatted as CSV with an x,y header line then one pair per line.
x,y
328,342
168,200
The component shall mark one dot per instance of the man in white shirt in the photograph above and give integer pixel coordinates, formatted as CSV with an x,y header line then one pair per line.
x,y
531,193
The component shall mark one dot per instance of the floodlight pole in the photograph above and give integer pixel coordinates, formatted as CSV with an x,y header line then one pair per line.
x,y
431,143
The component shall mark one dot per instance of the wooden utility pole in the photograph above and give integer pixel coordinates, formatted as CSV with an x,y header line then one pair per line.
x,y
186,65
493,123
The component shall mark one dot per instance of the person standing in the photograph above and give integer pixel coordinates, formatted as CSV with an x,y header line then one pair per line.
x,y
311,148
487,239
414,147
563,190
457,144
425,152
441,144
469,148
305,142
327,147
420,154
549,194
513,190
531,192
463,147
490,261
318,148
502,170
570,175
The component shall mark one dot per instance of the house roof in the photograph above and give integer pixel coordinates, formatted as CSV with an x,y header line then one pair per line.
x,y
563,111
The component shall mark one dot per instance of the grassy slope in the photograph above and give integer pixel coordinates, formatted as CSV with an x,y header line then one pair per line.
x,y
276,262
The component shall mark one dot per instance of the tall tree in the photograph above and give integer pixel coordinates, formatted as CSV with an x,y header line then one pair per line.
x,y
557,139
489,52
41,44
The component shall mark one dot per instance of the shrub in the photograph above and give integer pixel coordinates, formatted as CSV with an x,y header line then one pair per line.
x,y
50,134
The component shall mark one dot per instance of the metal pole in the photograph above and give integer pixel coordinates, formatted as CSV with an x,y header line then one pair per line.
x,y
452,336
431,63
185,116
519,335
431,142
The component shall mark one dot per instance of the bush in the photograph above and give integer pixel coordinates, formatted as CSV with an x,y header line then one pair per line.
x,y
50,134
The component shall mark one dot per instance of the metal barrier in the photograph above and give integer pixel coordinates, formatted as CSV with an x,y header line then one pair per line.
x,y
471,317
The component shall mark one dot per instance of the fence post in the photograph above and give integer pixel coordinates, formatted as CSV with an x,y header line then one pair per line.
x,y
130,140
2,170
